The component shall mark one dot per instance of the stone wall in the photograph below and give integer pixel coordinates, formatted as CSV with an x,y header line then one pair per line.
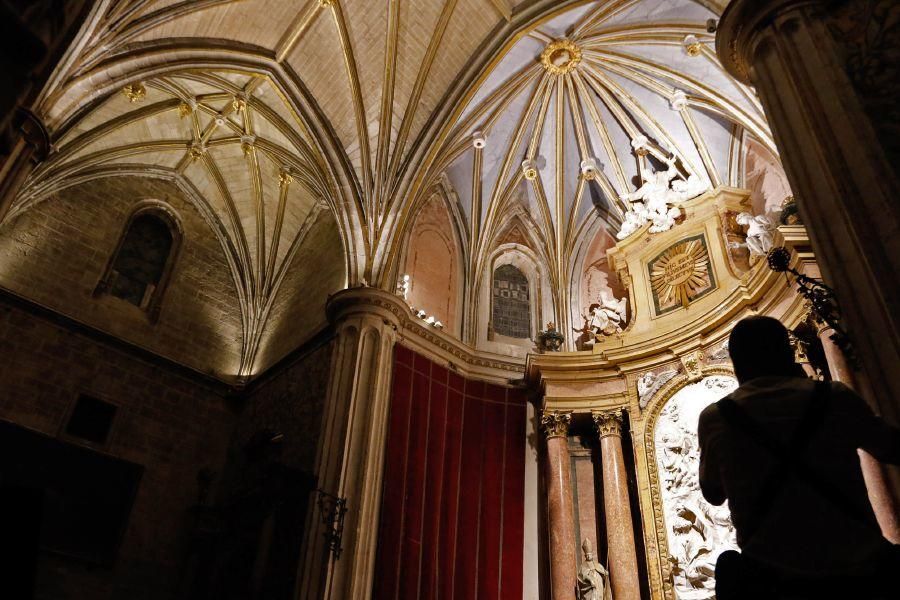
x,y
56,253
267,486
170,423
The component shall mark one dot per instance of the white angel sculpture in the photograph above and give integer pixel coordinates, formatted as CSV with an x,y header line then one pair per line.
x,y
657,199
759,233
608,316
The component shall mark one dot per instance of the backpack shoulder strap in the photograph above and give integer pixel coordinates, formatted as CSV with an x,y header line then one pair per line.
x,y
788,457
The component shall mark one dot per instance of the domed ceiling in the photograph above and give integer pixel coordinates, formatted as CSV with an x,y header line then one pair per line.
x,y
274,115
566,121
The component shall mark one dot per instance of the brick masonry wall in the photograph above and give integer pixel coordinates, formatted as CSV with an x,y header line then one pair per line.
x,y
56,253
170,424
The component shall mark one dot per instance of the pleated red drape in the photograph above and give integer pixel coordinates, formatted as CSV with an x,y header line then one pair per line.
x,y
454,484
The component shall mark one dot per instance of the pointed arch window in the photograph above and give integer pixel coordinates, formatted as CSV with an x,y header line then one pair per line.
x,y
139,269
511,306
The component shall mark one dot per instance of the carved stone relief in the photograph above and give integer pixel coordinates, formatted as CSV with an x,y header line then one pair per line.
x,y
649,383
697,531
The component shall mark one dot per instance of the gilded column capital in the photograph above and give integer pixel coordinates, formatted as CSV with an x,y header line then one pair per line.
x,y
555,423
608,422
738,27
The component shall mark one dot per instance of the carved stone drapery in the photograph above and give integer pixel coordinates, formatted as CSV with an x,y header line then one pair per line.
x,y
696,532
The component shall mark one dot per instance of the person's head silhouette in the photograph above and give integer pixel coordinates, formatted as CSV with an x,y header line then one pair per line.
x,y
759,347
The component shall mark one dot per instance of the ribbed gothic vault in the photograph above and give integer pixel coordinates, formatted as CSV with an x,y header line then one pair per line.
x,y
533,118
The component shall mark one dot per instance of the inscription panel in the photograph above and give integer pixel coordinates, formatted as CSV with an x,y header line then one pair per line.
x,y
681,274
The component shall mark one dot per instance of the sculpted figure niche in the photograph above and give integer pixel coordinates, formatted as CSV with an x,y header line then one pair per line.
x,y
602,312
697,531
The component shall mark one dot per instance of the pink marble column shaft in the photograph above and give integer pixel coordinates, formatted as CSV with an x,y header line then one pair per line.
x,y
560,507
880,495
623,569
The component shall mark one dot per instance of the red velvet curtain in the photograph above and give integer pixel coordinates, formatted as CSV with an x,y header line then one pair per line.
x,y
454,485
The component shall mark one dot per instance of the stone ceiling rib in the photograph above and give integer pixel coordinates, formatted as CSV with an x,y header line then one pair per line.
x,y
342,101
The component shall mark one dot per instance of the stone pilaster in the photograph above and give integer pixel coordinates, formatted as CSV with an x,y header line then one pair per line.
x,y
31,147
846,187
350,462
560,508
623,570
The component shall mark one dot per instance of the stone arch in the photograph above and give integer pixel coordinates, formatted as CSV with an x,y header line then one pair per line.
x,y
540,300
143,282
659,523
590,275
434,262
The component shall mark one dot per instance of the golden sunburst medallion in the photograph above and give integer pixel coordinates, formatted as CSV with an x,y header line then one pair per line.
x,y
681,274
561,56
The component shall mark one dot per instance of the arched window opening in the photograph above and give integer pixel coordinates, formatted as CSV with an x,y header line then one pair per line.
x,y
141,264
511,314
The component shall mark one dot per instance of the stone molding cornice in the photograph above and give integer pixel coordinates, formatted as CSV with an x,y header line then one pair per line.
x,y
608,423
555,424
420,337
738,27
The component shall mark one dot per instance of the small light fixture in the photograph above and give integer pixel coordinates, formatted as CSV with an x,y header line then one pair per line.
x,y
678,101
529,170
641,145
692,45
478,140
589,168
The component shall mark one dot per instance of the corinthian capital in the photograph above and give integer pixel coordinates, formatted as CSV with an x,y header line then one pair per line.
x,y
555,423
608,422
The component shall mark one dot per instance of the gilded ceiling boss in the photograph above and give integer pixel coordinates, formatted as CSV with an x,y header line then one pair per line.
x,y
424,298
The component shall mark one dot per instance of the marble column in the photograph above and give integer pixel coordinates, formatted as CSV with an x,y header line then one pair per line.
x,y
812,63
350,459
560,508
880,494
623,569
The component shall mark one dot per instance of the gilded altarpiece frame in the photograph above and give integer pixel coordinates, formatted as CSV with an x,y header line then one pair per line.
x,y
681,274
656,536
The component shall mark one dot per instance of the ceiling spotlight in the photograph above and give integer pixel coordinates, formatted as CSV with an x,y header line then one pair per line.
x,y
478,140
692,45
589,168
529,170
678,101
641,145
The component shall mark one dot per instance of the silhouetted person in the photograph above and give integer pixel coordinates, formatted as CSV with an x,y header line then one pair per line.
x,y
782,450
